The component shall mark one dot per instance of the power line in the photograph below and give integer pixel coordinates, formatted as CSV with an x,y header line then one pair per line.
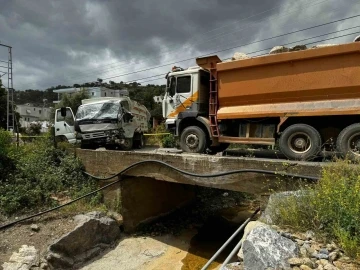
x,y
183,60
267,49
214,37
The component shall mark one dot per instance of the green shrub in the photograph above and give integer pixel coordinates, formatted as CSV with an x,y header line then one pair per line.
x,y
168,141
332,207
41,171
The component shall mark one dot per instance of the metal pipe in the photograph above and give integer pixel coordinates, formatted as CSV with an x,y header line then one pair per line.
x,y
238,246
229,240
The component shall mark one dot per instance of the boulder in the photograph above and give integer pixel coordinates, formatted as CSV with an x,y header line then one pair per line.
x,y
298,48
279,49
93,233
323,46
239,56
264,248
271,213
26,258
249,227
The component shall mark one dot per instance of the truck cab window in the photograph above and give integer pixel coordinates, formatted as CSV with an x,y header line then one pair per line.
x,y
69,119
183,84
172,86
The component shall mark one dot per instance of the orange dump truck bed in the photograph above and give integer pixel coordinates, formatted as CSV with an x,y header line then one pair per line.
x,y
310,82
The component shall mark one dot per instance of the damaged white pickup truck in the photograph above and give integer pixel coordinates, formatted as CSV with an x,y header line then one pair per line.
x,y
114,123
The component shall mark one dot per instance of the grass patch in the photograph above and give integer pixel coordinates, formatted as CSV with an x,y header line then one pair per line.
x,y
331,207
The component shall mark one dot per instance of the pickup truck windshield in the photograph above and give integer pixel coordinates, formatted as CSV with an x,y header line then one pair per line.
x,y
105,110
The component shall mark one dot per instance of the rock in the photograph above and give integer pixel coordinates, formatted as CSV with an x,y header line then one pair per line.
x,y
279,49
324,251
271,213
239,56
345,266
323,262
310,235
117,217
357,39
234,266
264,248
298,48
295,261
322,46
287,235
35,227
301,261
249,227
299,242
333,256
329,266
303,252
321,256
94,232
305,267
26,258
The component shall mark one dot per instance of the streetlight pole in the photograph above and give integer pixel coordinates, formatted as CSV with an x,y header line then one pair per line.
x,y
10,99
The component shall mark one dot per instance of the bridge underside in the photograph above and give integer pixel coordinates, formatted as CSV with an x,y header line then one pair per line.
x,y
151,190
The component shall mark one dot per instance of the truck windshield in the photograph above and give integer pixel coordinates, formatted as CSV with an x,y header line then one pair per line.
x,y
105,110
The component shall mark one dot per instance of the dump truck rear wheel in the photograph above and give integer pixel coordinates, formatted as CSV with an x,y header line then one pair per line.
x,y
348,142
300,142
193,140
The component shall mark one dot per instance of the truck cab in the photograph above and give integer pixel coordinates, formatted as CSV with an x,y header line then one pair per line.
x,y
110,122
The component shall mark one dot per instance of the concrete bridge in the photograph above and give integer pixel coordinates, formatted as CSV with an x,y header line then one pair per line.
x,y
151,190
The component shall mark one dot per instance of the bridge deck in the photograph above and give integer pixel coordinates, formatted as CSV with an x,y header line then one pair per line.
x,y
106,163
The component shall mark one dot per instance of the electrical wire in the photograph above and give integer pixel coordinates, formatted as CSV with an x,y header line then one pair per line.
x,y
267,49
216,36
268,172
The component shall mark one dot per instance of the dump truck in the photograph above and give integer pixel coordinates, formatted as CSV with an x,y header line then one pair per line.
x,y
115,123
302,102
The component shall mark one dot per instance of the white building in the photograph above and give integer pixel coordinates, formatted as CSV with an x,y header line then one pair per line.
x,y
30,113
94,92
158,99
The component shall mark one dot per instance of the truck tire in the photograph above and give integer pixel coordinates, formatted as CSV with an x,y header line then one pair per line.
x,y
300,142
140,141
348,142
128,144
193,140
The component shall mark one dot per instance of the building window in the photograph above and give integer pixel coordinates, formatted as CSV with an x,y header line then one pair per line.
x,y
34,109
92,93
39,111
105,94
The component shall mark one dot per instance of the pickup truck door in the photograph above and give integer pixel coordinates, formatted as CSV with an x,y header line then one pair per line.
x,y
64,126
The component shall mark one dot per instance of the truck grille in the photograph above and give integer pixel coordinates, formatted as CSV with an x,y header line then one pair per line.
x,y
94,135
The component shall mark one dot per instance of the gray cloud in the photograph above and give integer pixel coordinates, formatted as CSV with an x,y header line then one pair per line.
x,y
74,41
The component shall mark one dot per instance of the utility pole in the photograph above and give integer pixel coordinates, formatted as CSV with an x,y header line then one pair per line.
x,y
10,121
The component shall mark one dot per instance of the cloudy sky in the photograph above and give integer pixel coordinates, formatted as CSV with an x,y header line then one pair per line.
x,y
75,41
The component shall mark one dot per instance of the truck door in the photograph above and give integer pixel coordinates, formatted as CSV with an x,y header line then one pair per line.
x,y
178,97
64,125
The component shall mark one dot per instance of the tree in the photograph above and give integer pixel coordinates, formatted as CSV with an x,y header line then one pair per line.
x,y
73,101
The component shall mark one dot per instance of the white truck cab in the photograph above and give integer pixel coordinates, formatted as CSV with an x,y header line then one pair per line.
x,y
110,122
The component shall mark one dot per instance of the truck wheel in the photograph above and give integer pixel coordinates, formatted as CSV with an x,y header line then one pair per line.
x,y
193,140
300,142
348,141
140,141
127,145
219,148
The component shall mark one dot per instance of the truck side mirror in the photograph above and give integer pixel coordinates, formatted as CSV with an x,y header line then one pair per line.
x,y
63,111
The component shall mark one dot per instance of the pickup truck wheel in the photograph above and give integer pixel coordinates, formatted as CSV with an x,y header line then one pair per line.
x,y
127,145
193,140
300,142
348,142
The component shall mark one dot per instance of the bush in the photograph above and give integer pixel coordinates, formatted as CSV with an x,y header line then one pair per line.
x,y
40,172
332,207
168,141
